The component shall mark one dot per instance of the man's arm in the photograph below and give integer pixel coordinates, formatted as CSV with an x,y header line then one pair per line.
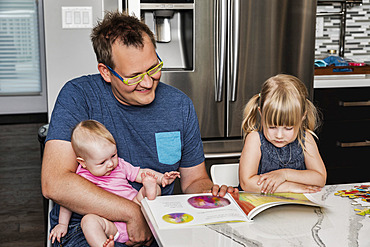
x,y
196,180
61,184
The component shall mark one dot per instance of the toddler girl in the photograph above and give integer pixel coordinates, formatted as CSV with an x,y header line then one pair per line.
x,y
280,153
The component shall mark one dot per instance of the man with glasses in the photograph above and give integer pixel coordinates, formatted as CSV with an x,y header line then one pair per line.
x,y
154,124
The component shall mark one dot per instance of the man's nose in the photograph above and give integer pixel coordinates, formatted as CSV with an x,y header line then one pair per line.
x,y
147,81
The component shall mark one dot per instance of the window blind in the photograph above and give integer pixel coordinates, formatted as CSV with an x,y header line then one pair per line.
x,y
19,48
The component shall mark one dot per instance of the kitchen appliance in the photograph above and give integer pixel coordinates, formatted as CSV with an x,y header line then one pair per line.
x,y
221,51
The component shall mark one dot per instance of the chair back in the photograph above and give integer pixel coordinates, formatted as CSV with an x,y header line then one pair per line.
x,y
50,207
227,174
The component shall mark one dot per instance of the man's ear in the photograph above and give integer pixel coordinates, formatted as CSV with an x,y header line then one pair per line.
x,y
104,72
81,161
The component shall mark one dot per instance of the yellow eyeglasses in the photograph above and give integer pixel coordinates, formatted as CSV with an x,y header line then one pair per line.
x,y
137,79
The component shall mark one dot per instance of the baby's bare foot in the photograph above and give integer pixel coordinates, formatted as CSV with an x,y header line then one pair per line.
x,y
109,242
150,185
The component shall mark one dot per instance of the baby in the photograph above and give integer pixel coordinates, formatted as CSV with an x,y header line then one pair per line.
x,y
96,153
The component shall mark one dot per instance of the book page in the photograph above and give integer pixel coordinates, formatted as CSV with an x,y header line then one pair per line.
x,y
195,209
253,203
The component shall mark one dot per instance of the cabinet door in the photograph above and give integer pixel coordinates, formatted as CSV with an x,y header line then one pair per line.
x,y
343,104
344,147
344,138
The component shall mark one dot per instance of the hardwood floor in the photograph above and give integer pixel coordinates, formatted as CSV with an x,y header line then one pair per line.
x,y
21,205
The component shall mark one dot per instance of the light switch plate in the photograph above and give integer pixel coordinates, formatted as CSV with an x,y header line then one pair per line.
x,y
77,17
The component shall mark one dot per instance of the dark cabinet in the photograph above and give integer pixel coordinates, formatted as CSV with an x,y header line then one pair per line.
x,y
344,137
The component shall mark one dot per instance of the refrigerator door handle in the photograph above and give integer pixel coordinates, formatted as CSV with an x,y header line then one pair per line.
x,y
220,38
234,30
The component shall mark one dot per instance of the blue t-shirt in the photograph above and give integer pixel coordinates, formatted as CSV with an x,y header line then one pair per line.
x,y
162,136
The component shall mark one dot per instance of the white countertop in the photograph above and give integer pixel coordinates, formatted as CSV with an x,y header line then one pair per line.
x,y
336,224
340,81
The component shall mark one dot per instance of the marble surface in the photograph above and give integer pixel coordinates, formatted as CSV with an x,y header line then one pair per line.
x,y
335,224
339,81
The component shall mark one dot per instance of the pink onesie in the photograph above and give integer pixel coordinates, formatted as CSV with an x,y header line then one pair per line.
x,y
117,183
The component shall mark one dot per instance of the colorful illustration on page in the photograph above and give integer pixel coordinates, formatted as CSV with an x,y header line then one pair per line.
x,y
177,218
361,197
205,202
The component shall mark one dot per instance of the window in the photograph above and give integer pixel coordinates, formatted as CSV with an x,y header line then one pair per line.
x,y
19,48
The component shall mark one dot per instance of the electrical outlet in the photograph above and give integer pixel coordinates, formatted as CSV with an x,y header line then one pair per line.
x,y
77,17
319,26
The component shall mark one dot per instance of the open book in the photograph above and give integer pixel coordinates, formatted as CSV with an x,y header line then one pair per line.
x,y
199,209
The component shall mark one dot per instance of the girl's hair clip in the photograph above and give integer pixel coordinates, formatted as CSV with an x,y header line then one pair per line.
x,y
259,95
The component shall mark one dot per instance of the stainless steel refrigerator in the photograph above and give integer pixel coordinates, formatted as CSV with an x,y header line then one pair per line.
x,y
219,52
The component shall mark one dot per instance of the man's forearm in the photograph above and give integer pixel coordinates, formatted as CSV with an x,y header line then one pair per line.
x,y
85,197
199,186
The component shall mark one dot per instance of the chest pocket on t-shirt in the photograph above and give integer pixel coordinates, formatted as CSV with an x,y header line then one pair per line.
x,y
168,147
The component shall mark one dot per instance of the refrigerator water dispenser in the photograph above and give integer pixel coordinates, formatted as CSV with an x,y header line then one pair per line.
x,y
173,28
163,25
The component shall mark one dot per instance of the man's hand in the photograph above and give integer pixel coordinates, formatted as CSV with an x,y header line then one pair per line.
x,y
138,230
221,191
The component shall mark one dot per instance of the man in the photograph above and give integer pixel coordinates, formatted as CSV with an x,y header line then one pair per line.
x,y
155,126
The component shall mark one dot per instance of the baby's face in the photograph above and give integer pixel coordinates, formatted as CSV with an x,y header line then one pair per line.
x,y
102,158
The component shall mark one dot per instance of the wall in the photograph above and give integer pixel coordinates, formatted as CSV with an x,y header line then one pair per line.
x,y
69,52
357,41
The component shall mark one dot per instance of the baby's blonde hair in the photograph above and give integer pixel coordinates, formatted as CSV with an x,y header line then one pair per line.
x,y
283,101
87,132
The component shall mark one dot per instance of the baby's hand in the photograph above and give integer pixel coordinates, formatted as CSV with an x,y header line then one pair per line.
x,y
58,232
169,177
271,181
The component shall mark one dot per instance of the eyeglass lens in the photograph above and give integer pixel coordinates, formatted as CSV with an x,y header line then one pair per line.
x,y
151,72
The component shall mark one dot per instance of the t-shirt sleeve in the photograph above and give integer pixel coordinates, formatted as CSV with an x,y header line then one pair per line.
x,y
70,109
192,153
130,170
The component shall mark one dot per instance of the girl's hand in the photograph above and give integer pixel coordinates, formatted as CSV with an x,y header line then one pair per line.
x,y
271,181
58,232
169,177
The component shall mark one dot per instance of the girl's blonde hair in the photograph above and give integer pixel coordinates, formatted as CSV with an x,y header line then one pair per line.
x,y
283,101
87,132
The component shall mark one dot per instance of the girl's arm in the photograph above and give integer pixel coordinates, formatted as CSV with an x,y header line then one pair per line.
x,y
316,171
249,162
162,179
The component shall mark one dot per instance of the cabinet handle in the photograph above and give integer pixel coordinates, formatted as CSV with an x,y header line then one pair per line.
x,y
356,103
354,144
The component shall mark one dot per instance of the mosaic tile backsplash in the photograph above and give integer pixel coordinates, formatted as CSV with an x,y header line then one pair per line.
x,y
357,40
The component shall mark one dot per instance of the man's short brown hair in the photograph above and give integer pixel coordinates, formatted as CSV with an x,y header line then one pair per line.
x,y
119,27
